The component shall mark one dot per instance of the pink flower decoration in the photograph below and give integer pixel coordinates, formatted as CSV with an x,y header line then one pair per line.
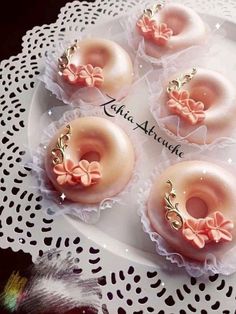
x,y
150,29
84,173
66,173
162,34
88,173
91,76
195,231
146,26
219,228
188,109
71,73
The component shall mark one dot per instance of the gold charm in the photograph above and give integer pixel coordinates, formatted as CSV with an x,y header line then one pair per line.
x,y
177,84
64,60
58,153
151,12
173,215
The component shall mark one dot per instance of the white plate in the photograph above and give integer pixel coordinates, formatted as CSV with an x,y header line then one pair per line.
x,y
119,229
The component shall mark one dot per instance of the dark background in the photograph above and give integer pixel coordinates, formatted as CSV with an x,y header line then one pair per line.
x,y
19,16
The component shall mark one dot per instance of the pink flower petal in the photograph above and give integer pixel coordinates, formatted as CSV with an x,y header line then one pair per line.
x,y
192,118
97,71
199,242
83,75
98,81
89,69
191,223
94,166
95,176
198,106
62,179
201,225
163,27
84,164
73,68
69,76
78,172
172,103
188,234
169,33
185,111
86,180
219,218
210,223
69,165
227,225
89,81
200,116
225,235
59,169
161,34
176,95
144,24
214,235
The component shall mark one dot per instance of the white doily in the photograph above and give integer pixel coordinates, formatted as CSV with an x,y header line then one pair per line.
x,y
127,285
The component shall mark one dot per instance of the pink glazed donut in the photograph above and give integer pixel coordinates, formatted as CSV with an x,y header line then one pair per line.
x,y
170,28
202,97
89,160
192,206
100,63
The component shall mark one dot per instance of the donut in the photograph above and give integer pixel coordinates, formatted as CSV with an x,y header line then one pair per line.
x,y
192,206
89,160
170,28
202,97
97,63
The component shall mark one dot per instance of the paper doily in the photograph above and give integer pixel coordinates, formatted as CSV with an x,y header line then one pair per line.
x,y
127,286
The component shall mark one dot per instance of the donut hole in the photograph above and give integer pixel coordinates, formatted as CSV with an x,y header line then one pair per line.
x,y
175,22
97,57
91,156
206,94
196,207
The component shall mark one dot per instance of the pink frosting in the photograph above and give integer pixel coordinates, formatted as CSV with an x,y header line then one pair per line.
x,y
150,29
83,75
84,173
71,73
89,173
194,230
214,228
146,26
219,228
91,76
190,110
66,172
162,34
